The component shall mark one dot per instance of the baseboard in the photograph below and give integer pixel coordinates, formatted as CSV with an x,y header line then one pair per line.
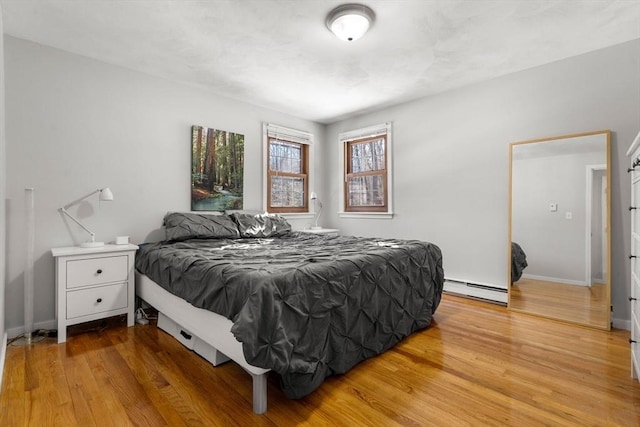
x,y
621,324
555,279
3,354
480,291
16,332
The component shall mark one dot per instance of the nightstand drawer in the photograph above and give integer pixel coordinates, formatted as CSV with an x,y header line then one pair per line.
x,y
94,271
96,300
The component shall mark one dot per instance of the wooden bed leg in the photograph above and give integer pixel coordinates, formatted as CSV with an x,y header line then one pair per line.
x,y
259,393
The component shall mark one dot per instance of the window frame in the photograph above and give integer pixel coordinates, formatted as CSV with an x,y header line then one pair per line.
x,y
346,140
348,147
272,133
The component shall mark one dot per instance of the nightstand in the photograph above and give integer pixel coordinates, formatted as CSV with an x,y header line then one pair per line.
x,y
93,283
332,231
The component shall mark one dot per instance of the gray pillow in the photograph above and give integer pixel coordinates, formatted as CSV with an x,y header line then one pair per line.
x,y
188,225
261,225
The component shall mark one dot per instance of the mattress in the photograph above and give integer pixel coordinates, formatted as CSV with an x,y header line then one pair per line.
x,y
305,306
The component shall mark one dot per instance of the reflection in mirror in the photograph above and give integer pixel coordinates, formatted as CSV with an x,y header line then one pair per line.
x,y
559,222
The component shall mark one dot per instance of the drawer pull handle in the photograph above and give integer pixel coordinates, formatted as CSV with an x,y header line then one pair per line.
x,y
632,256
632,299
99,271
99,300
631,341
186,335
632,208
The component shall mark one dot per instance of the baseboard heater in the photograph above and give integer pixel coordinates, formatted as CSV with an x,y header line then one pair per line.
x,y
478,291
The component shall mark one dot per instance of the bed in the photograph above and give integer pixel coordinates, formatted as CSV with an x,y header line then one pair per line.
x,y
302,305
518,262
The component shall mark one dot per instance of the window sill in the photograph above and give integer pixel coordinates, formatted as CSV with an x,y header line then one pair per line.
x,y
304,215
366,215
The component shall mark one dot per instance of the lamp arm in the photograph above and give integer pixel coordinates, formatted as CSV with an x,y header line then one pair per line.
x,y
64,211
67,206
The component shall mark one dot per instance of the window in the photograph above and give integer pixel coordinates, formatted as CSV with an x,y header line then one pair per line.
x,y
287,165
366,178
367,170
287,177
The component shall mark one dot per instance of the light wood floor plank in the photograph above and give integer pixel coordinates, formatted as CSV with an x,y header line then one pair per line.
x,y
14,394
477,364
587,305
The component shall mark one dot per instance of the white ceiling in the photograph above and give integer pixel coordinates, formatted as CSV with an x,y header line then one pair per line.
x,y
279,54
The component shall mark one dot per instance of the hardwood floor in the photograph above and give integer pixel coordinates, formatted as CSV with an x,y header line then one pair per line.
x,y
586,305
478,364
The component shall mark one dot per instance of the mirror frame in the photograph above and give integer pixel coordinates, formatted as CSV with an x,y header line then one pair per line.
x,y
607,134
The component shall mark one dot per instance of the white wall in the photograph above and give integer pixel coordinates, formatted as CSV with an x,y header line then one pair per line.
x,y
451,158
3,190
75,125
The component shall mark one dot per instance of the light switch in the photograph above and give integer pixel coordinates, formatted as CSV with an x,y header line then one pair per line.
x,y
553,207
568,215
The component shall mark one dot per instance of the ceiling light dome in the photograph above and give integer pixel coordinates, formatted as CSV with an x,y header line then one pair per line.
x,y
350,21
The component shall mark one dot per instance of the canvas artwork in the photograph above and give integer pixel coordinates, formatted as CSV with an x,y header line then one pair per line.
x,y
217,168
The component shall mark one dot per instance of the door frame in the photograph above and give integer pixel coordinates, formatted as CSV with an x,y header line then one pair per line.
x,y
591,171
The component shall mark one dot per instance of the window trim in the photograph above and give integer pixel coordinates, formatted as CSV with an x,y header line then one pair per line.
x,y
304,175
348,147
368,132
269,132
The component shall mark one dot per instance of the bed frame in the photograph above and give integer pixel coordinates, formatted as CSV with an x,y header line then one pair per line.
x,y
209,333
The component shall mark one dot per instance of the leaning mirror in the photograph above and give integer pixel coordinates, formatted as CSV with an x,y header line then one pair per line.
x,y
559,222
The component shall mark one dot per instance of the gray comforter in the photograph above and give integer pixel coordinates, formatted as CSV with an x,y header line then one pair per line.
x,y
303,305
518,262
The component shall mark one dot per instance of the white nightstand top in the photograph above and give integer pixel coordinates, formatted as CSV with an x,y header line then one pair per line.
x,y
320,230
77,250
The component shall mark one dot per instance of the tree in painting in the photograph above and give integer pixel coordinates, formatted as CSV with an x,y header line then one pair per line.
x,y
217,167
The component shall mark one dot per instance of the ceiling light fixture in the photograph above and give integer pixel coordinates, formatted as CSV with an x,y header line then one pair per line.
x,y
349,22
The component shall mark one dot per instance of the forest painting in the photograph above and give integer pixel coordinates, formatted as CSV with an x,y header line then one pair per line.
x,y
217,167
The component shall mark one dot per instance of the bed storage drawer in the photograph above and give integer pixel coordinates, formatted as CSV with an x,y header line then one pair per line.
x,y
209,353
178,332
190,341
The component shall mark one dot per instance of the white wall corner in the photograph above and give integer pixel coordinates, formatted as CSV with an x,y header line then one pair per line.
x,y
19,330
624,324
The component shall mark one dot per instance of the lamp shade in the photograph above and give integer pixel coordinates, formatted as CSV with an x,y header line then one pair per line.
x,y
106,195
349,22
